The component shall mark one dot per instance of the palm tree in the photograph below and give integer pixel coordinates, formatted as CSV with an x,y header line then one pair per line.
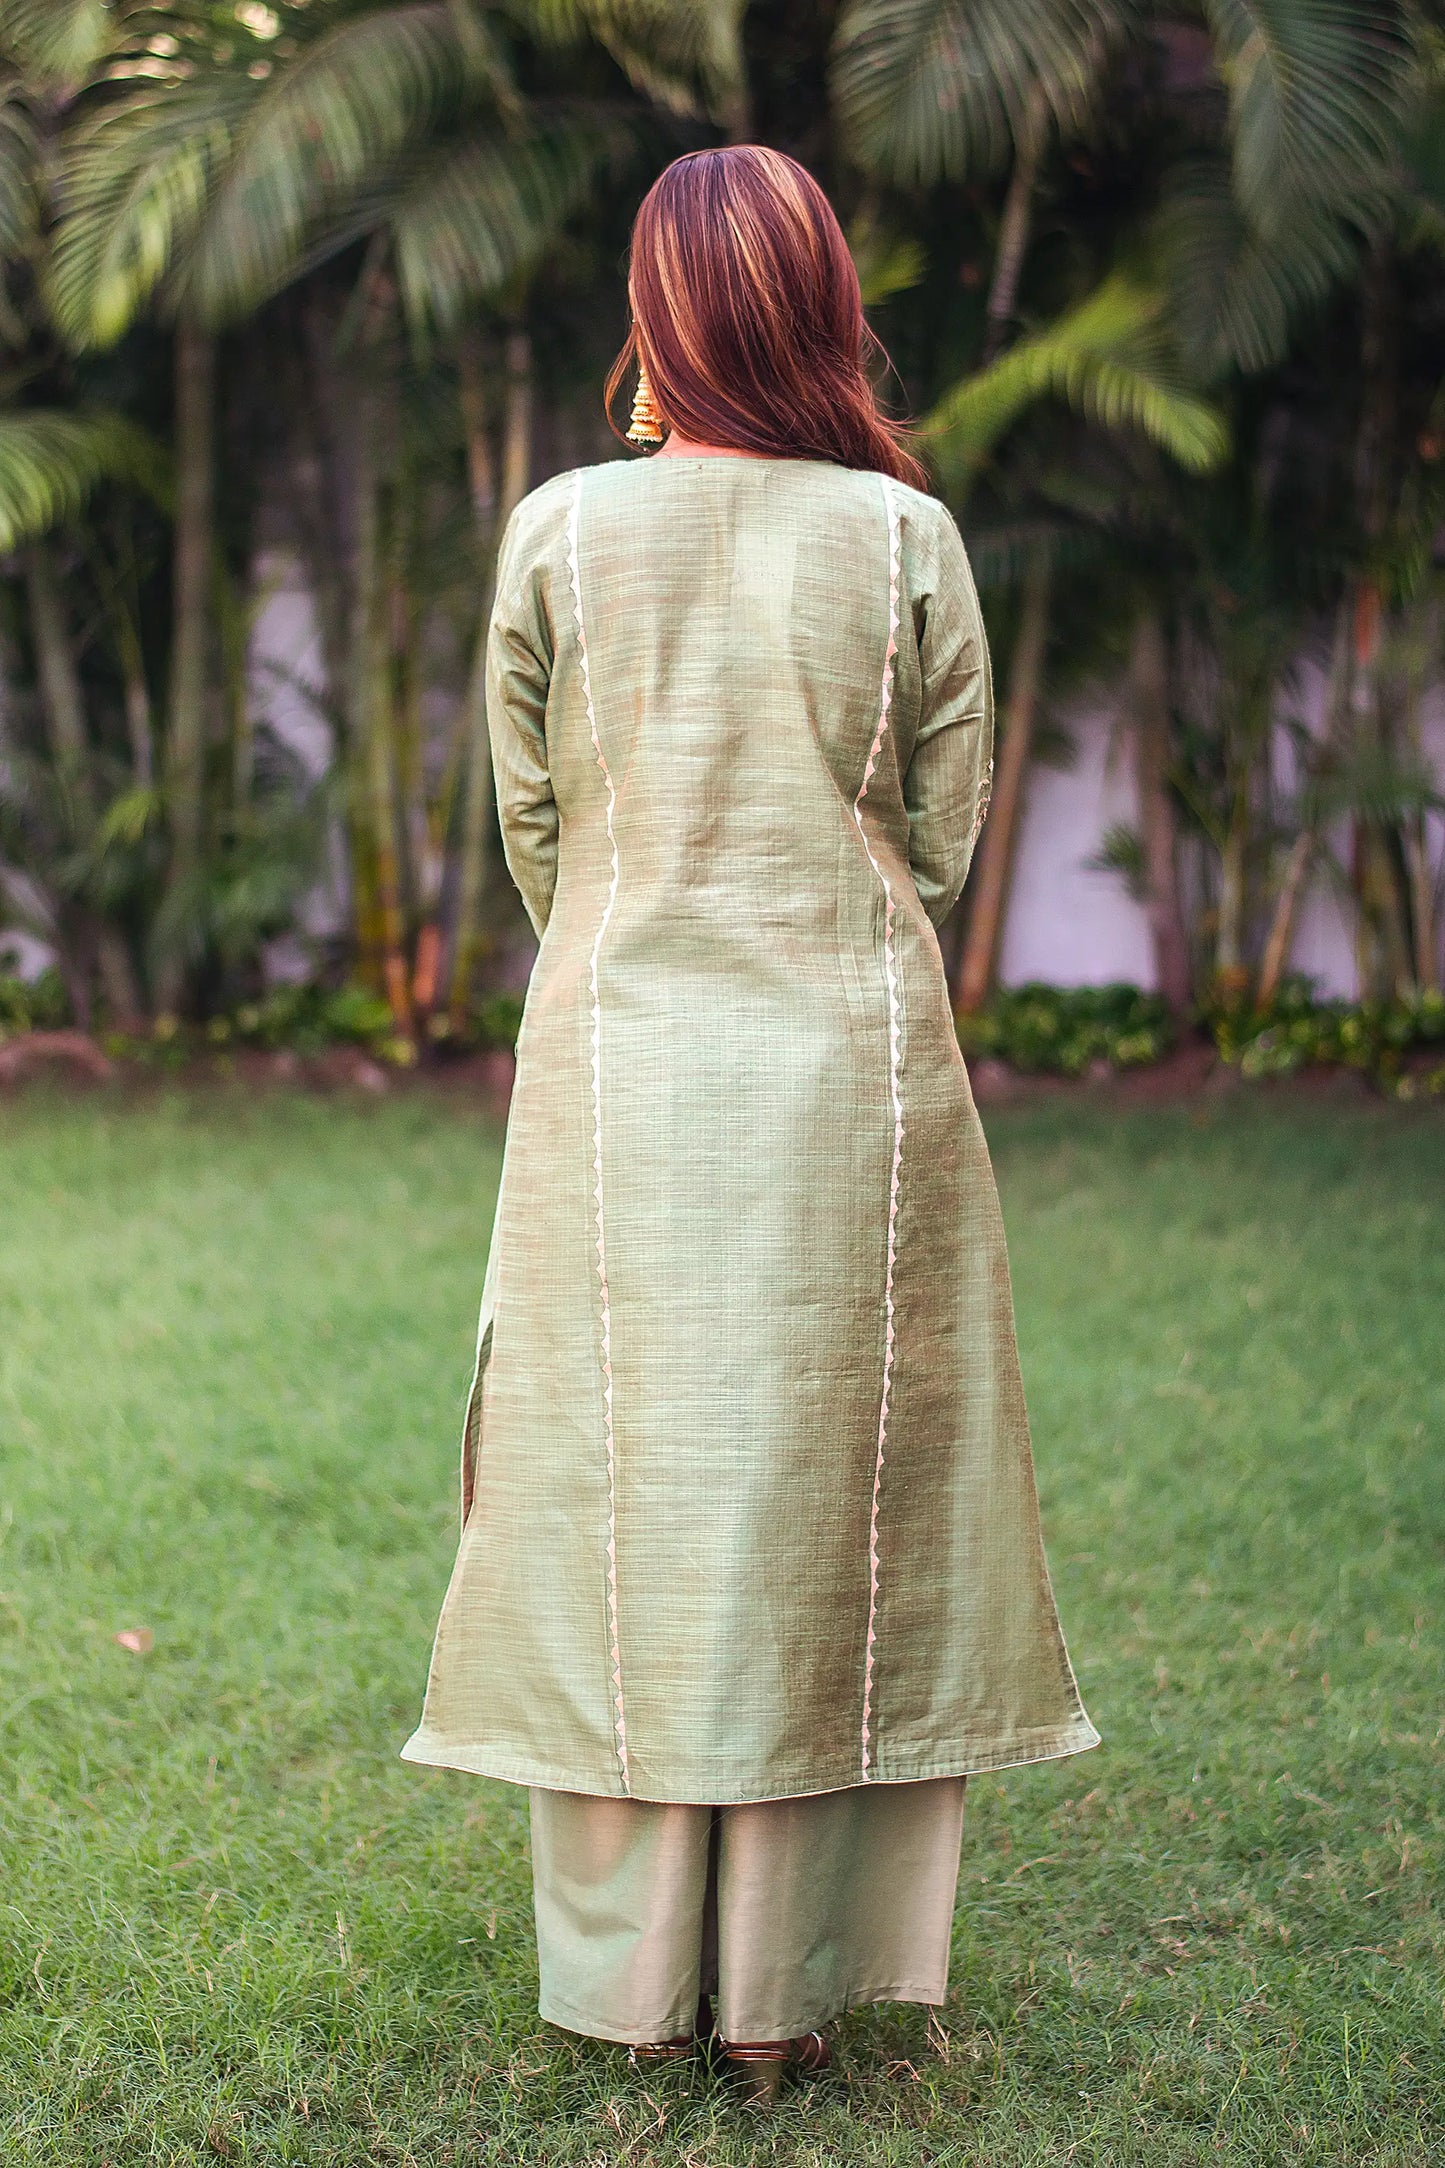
x,y
381,212
1256,224
51,458
951,90
402,127
1111,361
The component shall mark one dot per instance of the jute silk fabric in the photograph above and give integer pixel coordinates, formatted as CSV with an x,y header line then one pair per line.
x,y
748,1499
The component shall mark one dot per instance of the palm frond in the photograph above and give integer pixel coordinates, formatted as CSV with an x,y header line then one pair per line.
x,y
1316,89
1109,359
129,816
19,172
1422,148
479,212
686,55
248,889
56,41
50,462
327,126
1236,293
931,90
1121,851
134,186
1374,783
887,261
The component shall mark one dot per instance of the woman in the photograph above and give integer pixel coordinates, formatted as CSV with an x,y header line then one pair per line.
x,y
750,1574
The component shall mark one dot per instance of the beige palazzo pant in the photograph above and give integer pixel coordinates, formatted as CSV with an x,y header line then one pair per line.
x,y
786,1911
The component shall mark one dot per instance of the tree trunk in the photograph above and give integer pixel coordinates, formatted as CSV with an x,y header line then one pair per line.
x,y
64,703
998,843
516,423
479,798
1275,959
1013,232
118,980
139,719
1149,695
1415,840
195,398
472,399
1422,906
1382,937
1281,927
370,707
321,474
1229,968
55,666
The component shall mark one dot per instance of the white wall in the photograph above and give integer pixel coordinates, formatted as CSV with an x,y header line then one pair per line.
x,y
1075,927
286,674
1066,923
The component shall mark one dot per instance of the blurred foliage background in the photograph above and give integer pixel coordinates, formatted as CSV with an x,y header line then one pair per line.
x,y
340,279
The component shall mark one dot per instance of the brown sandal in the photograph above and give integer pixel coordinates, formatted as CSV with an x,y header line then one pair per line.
x,y
679,2049
761,2064
663,2051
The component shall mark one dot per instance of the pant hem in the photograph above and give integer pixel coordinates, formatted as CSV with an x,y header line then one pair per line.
x,y
619,2034
574,2020
854,1999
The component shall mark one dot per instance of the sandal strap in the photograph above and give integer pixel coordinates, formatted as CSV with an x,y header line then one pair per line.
x,y
809,2049
662,2051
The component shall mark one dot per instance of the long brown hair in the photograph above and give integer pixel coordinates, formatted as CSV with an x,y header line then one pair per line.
x,y
747,315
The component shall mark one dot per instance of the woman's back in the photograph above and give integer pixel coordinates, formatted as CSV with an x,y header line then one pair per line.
x,y
752,633
748,1406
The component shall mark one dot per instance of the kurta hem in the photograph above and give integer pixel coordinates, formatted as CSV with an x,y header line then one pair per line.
x,y
430,1752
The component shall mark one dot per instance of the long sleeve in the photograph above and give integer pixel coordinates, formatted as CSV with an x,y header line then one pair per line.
x,y
945,788
519,672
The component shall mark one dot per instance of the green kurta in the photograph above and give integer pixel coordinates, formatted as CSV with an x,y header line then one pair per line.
x,y
748,1499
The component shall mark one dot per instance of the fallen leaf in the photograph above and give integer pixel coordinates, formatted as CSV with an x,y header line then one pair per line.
x,y
138,1639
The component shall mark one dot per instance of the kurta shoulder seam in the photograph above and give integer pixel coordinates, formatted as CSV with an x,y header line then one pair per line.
x,y
574,565
890,970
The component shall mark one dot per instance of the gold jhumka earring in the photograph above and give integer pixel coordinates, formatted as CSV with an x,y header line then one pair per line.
x,y
646,424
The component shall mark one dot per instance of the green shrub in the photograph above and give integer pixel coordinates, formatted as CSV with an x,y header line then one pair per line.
x,y
1037,1029
1064,1030
492,1025
303,1019
499,1019
39,1004
308,1019
1298,1031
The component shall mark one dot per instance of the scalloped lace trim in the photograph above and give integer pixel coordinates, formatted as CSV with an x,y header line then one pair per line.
x,y
619,1721
895,1075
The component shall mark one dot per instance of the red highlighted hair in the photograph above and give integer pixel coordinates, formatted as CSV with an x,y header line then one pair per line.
x,y
747,315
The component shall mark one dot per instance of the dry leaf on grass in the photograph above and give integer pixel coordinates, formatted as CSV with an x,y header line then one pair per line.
x,y
138,1639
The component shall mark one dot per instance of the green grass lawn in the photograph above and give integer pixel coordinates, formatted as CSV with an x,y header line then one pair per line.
x,y
235,1336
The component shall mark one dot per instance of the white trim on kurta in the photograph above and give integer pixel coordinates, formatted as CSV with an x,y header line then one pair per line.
x,y
895,1076
619,1723
985,796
